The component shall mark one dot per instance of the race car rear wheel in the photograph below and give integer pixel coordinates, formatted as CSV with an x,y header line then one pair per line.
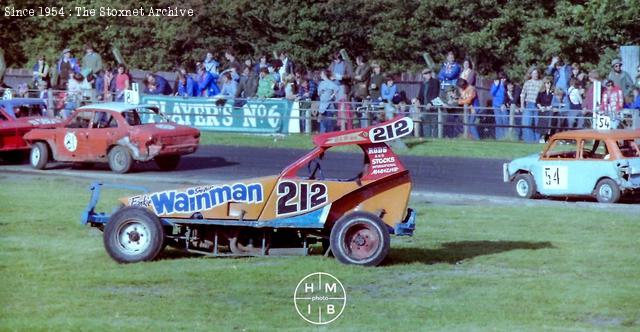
x,y
120,160
133,234
607,191
360,238
167,163
39,155
525,186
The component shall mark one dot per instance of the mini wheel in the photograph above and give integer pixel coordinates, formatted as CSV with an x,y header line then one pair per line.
x,y
607,191
360,238
168,163
120,160
525,186
39,155
133,234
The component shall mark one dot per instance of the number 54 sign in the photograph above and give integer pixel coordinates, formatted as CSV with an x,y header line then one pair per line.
x,y
602,121
554,177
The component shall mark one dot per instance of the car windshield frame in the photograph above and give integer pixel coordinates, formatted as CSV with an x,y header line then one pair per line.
x,y
149,115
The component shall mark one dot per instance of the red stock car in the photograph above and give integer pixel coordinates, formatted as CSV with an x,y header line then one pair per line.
x,y
117,133
17,117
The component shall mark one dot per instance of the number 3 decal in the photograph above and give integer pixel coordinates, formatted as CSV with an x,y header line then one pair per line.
x,y
391,131
300,197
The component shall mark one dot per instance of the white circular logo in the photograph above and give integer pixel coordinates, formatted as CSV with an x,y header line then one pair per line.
x,y
165,126
320,298
70,141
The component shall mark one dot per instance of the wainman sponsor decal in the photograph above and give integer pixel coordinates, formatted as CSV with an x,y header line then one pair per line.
x,y
199,198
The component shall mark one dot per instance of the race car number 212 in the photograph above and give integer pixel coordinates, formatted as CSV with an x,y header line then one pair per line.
x,y
300,197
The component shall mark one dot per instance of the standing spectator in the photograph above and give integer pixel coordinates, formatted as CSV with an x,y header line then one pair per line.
x,y
210,64
76,84
186,86
612,102
587,103
233,65
41,73
620,79
429,90
157,85
389,90
528,99
305,97
449,72
469,100
340,67
229,89
262,63
290,87
578,74
66,66
575,105
512,103
123,82
345,117
266,84
207,82
543,102
468,73
636,99
247,85
91,61
107,83
288,66
327,90
498,96
637,85
560,72
377,80
361,79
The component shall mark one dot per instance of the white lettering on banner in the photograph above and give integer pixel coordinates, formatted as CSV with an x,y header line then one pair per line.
x,y
210,115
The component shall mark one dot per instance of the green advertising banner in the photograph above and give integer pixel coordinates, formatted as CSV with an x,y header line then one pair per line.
x,y
255,116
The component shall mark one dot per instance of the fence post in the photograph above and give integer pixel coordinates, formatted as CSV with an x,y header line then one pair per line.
x,y
512,121
465,121
440,123
635,119
50,107
307,125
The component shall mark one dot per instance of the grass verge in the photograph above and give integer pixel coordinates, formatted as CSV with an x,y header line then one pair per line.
x,y
415,147
466,268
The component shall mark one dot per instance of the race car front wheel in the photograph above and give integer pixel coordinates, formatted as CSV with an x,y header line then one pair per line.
x,y
120,160
360,238
525,186
39,155
133,234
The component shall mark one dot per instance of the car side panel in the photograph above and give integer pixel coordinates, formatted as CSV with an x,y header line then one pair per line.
x,y
571,177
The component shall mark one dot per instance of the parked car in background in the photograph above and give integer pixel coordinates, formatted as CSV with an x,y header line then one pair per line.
x,y
604,164
18,116
117,133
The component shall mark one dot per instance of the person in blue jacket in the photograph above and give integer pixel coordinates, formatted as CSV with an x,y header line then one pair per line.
x,y
501,115
207,82
186,86
157,85
449,72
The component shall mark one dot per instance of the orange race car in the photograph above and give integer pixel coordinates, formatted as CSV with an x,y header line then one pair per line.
x,y
275,215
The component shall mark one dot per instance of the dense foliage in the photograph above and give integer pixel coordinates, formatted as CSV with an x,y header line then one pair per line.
x,y
496,34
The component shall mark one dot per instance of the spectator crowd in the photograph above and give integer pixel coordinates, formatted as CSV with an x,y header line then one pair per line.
x,y
343,95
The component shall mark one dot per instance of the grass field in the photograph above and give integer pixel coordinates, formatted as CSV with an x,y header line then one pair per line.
x,y
415,147
467,268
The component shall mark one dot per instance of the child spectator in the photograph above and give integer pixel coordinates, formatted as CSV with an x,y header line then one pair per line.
x,y
266,84
560,112
543,102
389,89
122,82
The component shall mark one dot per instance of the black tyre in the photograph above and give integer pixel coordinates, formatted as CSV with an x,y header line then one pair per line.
x,y
524,186
360,238
133,234
39,155
607,191
168,163
120,160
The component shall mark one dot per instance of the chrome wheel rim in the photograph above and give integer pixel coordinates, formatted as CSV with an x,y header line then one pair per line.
x,y
133,237
35,156
522,188
605,192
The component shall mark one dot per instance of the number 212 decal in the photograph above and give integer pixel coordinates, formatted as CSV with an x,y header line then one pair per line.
x,y
391,131
300,197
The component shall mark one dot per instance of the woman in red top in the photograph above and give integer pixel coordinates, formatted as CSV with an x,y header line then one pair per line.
x,y
122,82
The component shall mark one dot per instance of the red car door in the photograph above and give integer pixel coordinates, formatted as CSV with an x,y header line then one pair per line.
x,y
73,140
